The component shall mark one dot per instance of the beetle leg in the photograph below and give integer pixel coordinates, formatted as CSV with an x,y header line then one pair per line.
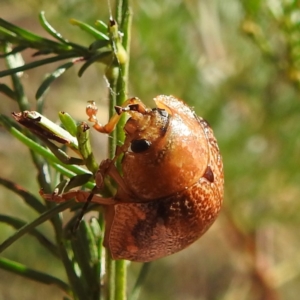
x,y
80,196
107,167
91,111
133,104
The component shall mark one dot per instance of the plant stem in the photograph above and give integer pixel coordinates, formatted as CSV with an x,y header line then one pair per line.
x,y
118,78
121,280
111,277
112,75
124,15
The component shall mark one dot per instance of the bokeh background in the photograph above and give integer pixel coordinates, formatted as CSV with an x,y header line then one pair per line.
x,y
237,63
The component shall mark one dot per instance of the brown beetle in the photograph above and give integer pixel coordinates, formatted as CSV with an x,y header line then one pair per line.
x,y
171,189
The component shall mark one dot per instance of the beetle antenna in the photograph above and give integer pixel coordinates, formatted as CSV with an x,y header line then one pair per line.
x,y
83,211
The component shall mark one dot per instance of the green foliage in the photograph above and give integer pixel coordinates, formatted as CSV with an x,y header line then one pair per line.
x,y
81,252
102,50
237,63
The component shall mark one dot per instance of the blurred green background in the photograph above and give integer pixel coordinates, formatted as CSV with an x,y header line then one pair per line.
x,y
237,63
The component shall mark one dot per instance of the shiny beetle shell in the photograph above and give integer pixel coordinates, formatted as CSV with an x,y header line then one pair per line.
x,y
173,174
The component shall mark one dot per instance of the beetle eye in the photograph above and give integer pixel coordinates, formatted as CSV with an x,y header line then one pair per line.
x,y
138,146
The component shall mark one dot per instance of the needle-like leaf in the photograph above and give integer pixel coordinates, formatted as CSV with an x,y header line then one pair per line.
x,y
29,198
51,77
50,29
89,29
26,272
17,224
41,219
38,63
100,56
6,90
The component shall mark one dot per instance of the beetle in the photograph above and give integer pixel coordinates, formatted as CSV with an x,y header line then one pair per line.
x,y
171,187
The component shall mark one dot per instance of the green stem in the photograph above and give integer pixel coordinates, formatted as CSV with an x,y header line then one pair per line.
x,y
117,77
109,263
121,280
124,22
124,19
110,266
